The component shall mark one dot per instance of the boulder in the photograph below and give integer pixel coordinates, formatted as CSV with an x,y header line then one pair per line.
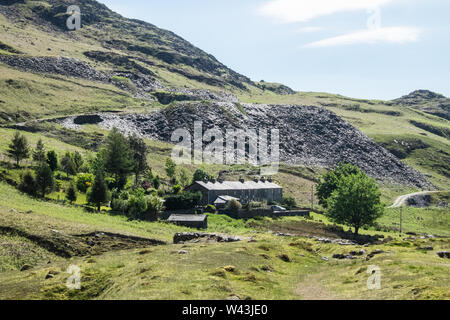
x,y
444,254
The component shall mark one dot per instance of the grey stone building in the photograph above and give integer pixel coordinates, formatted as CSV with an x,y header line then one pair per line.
x,y
198,221
245,191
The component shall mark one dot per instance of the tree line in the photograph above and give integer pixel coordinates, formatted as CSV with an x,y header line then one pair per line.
x,y
105,176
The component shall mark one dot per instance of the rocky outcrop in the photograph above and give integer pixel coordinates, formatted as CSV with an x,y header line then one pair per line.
x,y
54,65
139,80
143,40
184,94
444,254
210,237
427,101
419,201
68,67
308,135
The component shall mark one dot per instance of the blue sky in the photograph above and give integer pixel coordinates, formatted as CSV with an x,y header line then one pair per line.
x,y
379,49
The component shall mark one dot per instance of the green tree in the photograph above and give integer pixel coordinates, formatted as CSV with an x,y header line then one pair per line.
x,y
355,202
171,168
156,182
185,180
28,184
18,149
45,180
96,163
117,158
68,165
289,202
52,160
71,193
200,175
77,161
39,152
330,181
139,152
98,193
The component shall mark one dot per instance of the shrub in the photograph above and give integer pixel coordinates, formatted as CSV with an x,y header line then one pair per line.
x,y
200,175
177,189
124,195
28,184
210,209
119,205
155,205
84,181
110,182
71,194
58,185
151,191
137,204
156,182
233,207
289,202
186,200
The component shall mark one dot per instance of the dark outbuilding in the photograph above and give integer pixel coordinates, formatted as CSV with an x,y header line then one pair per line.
x,y
198,221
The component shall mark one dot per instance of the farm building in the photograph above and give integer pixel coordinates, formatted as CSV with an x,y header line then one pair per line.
x,y
245,191
198,221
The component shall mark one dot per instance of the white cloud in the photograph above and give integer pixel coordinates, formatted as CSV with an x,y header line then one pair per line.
x,y
287,11
310,29
371,36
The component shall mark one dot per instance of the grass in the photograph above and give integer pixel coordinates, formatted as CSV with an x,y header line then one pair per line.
x,y
270,268
419,220
44,96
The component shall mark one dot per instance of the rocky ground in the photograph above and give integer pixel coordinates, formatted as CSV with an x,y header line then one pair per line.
x,y
428,102
54,65
308,135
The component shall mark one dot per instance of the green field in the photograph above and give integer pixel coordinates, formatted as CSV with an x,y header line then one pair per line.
x,y
248,270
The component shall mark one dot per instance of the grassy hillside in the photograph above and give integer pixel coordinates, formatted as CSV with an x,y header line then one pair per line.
x,y
122,258
271,268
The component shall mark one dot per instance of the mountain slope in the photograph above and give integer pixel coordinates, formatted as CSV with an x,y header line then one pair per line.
x,y
427,101
123,65
110,36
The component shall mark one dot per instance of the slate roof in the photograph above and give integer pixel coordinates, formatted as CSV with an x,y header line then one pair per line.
x,y
237,185
187,217
224,199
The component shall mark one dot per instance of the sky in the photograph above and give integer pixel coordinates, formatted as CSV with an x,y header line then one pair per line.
x,y
373,49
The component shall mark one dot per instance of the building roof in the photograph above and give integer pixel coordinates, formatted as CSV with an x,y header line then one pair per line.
x,y
237,185
187,217
224,199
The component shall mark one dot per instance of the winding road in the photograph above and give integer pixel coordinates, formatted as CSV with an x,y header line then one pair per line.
x,y
402,199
